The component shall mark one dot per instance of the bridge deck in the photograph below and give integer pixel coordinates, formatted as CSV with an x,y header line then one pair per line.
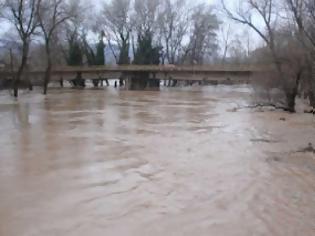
x,y
184,72
155,68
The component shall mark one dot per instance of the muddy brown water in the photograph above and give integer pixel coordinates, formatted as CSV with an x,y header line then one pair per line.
x,y
174,162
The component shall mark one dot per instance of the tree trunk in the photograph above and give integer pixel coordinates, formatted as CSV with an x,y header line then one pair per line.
x,y
20,70
17,81
292,94
18,78
49,65
174,83
121,82
312,82
47,77
312,99
141,81
96,82
290,98
61,82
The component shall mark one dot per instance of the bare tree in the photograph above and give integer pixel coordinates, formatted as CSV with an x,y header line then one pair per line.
x,y
237,51
147,49
145,20
268,11
115,22
22,14
51,14
115,17
226,38
173,26
203,36
145,15
246,35
302,13
263,8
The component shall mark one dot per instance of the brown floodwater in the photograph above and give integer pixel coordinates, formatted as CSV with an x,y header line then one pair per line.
x,y
175,162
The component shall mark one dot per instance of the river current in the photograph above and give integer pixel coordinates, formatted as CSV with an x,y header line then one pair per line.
x,y
179,161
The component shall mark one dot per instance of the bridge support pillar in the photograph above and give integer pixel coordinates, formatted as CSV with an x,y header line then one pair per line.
x,y
61,82
142,81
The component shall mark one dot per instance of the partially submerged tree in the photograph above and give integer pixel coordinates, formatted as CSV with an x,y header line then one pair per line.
x,y
268,11
302,15
147,51
95,57
74,55
116,24
51,15
116,19
72,37
173,25
146,54
22,14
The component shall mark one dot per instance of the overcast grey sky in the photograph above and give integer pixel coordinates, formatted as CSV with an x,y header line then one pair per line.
x,y
237,29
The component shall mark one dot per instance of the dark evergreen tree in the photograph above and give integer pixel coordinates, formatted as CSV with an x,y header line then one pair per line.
x,y
100,56
95,58
146,54
75,57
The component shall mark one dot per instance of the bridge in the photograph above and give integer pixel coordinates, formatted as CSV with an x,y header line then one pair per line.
x,y
238,73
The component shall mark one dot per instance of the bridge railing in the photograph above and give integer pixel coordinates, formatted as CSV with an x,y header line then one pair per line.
x,y
158,68
191,69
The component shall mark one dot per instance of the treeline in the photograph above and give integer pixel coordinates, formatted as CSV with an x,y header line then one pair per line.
x,y
138,31
48,33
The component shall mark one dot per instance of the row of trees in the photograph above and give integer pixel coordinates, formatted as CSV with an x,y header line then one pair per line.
x,y
136,31
36,18
169,32
287,28
186,33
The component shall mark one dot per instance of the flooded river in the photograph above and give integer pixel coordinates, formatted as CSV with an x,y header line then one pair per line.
x,y
175,162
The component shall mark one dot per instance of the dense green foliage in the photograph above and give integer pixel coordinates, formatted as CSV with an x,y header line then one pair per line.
x,y
75,53
100,57
146,53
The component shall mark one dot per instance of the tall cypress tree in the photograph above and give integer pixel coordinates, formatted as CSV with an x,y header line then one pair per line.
x,y
97,57
75,54
100,57
75,57
146,54
100,49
